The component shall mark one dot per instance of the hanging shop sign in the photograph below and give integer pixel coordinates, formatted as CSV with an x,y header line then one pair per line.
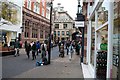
x,y
79,24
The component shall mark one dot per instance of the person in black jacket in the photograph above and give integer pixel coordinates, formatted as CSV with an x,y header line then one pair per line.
x,y
16,46
28,49
33,51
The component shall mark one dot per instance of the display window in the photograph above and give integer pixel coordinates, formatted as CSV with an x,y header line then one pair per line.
x,y
116,40
103,13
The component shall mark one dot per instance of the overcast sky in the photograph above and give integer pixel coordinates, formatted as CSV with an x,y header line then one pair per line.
x,y
69,5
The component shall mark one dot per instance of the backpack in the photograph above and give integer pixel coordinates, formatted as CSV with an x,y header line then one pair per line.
x,y
43,47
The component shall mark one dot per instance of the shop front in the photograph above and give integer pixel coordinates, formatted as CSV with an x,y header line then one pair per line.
x,y
6,37
104,40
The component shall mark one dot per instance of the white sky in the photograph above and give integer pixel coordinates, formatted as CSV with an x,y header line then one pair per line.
x,y
69,5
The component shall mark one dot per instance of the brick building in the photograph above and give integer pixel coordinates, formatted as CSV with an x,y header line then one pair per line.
x,y
36,21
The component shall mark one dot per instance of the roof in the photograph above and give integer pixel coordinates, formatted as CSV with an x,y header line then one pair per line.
x,y
67,14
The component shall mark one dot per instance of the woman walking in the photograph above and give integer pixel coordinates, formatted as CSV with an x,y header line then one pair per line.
x,y
70,51
28,49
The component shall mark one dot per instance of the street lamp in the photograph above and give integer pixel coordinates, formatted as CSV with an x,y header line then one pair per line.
x,y
80,25
49,50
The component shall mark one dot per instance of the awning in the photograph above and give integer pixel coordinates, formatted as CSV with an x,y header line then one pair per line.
x,y
7,26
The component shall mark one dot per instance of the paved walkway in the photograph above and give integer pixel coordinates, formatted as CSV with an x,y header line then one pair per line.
x,y
59,68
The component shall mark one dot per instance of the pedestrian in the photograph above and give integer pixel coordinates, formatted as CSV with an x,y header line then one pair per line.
x,y
16,45
67,45
52,44
70,51
25,44
28,49
61,51
43,50
59,44
38,47
32,43
33,51
78,48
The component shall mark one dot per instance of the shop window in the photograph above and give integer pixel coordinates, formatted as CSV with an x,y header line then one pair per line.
x,y
103,13
116,41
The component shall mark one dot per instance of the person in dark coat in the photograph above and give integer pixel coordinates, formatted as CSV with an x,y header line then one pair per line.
x,y
67,45
25,44
28,49
16,45
61,51
33,51
59,44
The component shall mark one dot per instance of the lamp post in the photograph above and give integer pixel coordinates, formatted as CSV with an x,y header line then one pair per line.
x,y
80,25
49,50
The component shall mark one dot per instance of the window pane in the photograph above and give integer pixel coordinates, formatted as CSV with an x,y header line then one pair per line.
x,y
103,13
63,33
116,40
57,26
64,26
67,33
54,32
58,33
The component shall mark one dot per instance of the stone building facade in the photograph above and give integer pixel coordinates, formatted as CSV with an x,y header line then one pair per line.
x,y
36,23
35,26
62,24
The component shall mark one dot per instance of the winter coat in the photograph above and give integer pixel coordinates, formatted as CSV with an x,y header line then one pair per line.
x,y
17,44
28,47
38,45
34,47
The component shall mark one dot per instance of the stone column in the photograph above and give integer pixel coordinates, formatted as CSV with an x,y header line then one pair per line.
x,y
44,34
38,36
30,33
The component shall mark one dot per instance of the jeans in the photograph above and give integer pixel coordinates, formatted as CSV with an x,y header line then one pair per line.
x,y
16,52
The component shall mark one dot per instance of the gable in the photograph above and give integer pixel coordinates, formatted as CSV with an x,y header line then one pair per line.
x,y
63,16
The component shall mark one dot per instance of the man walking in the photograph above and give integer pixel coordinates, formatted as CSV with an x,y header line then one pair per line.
x,y
43,50
17,45
67,45
33,51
